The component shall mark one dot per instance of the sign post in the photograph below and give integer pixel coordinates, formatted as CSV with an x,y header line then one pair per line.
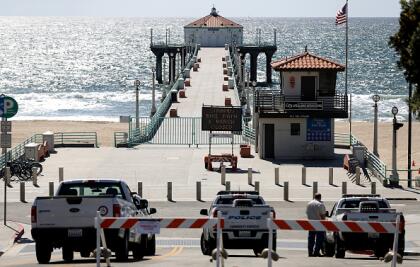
x,y
8,109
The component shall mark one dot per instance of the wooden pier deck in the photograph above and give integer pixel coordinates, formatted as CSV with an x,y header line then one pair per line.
x,y
206,85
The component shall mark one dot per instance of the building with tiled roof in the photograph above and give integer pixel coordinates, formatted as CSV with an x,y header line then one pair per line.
x,y
297,120
213,30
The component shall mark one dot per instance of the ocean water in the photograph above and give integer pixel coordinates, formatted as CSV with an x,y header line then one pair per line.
x,y
82,68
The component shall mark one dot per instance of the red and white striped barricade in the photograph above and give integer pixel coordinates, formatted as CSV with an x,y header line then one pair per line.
x,y
334,226
153,226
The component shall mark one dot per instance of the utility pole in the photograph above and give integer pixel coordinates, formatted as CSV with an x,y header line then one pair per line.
x,y
375,99
409,173
137,84
153,109
394,179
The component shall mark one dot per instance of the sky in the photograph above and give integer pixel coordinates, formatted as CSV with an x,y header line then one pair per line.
x,y
198,8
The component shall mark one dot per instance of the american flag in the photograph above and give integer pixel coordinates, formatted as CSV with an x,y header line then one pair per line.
x,y
341,16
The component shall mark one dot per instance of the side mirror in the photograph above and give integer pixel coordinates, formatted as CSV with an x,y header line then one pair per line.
x,y
133,193
152,211
204,212
143,204
327,214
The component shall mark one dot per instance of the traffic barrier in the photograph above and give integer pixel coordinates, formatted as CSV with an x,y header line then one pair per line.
x,y
373,188
227,186
223,175
334,226
22,192
286,191
198,190
169,193
314,189
140,189
51,189
257,186
276,176
250,176
34,177
358,175
60,174
331,176
344,188
303,175
153,226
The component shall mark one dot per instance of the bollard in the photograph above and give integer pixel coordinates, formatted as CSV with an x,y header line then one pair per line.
x,y
140,188
257,186
276,176
227,186
373,188
303,175
250,176
22,192
223,175
344,188
169,194
286,191
7,176
358,175
60,174
331,176
51,187
198,191
314,189
34,176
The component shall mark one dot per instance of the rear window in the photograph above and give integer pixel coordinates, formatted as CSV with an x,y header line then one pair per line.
x,y
91,189
354,204
229,201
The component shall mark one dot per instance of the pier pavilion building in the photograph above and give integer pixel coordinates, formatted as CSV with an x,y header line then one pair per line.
x,y
296,121
213,31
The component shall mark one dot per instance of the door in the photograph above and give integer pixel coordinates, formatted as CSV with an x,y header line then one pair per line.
x,y
307,90
268,141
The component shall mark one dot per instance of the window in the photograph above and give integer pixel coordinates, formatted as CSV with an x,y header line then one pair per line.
x,y
91,188
295,129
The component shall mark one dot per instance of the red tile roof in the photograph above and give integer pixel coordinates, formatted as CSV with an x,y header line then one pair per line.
x,y
306,61
214,20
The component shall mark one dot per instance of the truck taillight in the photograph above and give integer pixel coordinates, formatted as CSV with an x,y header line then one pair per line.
x,y
116,209
273,214
33,214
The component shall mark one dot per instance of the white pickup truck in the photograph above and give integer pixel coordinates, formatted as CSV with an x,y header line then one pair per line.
x,y
363,208
245,217
67,220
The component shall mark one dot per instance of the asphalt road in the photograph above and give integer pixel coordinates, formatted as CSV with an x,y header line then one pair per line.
x,y
181,247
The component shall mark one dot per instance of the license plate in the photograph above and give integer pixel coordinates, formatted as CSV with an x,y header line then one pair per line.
x,y
74,232
244,233
373,235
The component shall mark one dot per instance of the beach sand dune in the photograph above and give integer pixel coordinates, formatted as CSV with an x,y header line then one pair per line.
x,y
362,130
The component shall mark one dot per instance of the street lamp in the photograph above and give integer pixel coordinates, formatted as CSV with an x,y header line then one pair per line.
x,y
394,179
153,109
137,84
164,70
178,60
375,99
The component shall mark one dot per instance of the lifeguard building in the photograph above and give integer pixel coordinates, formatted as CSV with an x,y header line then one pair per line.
x,y
213,31
297,120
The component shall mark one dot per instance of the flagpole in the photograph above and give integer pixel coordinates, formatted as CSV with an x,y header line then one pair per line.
x,y
347,56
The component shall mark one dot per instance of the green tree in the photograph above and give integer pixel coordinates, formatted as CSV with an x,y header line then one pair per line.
x,y
406,43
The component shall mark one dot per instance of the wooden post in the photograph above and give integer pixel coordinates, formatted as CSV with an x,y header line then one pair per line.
x,y
250,176
198,190
227,186
358,175
51,189
60,174
22,192
140,189
303,175
223,175
331,176
34,176
344,188
373,188
286,191
257,186
314,189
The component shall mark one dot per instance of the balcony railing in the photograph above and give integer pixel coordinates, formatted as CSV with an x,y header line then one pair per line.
x,y
275,103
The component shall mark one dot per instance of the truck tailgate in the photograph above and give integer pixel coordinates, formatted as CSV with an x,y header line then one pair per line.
x,y
252,218
67,212
374,217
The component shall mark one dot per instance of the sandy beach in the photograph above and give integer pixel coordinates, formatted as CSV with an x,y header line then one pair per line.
x,y
362,130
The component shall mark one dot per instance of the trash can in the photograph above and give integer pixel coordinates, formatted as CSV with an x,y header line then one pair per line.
x,y
359,154
31,151
49,137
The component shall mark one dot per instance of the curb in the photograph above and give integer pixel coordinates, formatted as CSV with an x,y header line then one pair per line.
x,y
19,233
14,238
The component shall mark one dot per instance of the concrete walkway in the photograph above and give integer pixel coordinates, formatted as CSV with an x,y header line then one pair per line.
x,y
206,85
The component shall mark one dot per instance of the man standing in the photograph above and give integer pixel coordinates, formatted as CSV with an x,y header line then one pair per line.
x,y
315,211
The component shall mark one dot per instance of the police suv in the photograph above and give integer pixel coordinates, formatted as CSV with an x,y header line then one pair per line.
x,y
245,215
67,220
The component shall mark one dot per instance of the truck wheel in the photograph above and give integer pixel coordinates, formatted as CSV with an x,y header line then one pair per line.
x,y
380,251
258,251
43,252
85,254
139,250
329,249
207,246
401,244
340,250
121,252
151,246
67,253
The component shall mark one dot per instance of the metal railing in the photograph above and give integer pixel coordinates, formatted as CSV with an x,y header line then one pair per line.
x,y
342,140
62,139
19,150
